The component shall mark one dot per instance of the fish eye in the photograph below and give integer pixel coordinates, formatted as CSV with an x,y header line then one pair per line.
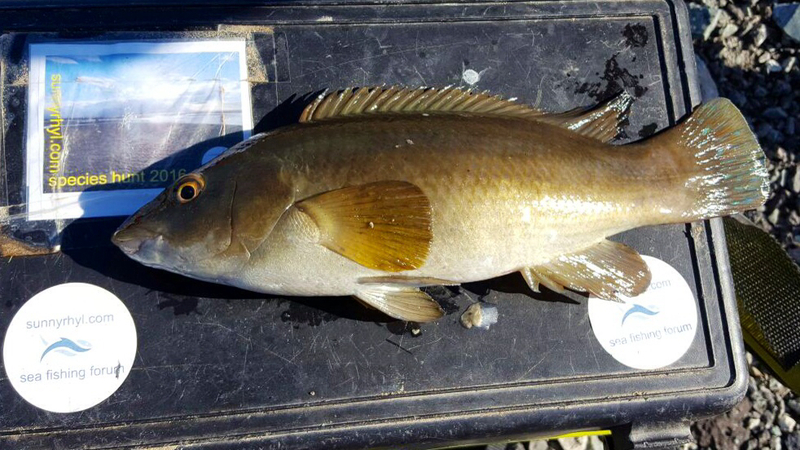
x,y
189,188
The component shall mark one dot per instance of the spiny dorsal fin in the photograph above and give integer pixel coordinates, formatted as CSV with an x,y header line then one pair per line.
x,y
353,102
600,122
607,269
384,225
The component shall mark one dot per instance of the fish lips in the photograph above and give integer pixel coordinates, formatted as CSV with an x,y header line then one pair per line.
x,y
133,239
143,247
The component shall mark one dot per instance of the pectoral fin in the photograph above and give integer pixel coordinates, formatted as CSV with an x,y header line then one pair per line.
x,y
607,270
401,302
384,225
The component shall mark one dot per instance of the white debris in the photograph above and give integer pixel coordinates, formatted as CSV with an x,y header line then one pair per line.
x,y
479,315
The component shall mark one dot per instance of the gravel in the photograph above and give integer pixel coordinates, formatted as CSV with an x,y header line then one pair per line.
x,y
766,418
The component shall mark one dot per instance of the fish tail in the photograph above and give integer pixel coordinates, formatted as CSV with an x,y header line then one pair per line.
x,y
720,166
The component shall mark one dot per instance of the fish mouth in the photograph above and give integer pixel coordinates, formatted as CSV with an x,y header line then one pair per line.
x,y
131,240
128,246
144,247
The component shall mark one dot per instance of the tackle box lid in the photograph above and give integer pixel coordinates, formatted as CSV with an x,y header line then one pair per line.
x,y
221,367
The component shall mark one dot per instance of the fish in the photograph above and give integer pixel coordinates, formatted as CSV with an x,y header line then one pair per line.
x,y
378,192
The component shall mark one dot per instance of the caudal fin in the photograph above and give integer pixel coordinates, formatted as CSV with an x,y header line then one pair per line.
x,y
723,163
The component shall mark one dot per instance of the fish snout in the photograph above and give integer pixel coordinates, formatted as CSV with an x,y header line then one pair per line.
x,y
131,238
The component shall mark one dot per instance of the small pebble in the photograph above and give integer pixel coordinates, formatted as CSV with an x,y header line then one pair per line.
x,y
777,387
773,218
773,66
595,443
752,387
786,423
790,129
736,12
712,25
782,88
764,129
775,443
751,423
737,98
775,113
794,218
729,30
774,136
578,443
539,445
775,430
761,35
514,446
794,405
788,64
768,418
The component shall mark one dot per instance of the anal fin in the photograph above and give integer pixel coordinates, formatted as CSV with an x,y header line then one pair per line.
x,y
535,278
401,302
607,270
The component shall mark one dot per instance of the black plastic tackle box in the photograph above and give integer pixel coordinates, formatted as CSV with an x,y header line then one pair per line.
x,y
217,367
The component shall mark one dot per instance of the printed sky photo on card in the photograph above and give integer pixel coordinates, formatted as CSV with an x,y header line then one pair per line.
x,y
110,125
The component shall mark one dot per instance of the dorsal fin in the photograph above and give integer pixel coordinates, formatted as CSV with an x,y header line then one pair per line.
x,y
600,122
353,102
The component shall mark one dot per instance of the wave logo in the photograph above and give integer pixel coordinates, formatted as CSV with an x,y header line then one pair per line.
x,y
66,347
638,309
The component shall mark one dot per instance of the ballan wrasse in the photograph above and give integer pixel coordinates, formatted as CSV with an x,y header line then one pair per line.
x,y
378,192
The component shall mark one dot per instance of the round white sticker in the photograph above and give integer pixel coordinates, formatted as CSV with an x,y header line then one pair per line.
x,y
69,347
653,329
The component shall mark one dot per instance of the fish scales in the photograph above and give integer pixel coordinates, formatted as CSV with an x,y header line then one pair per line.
x,y
497,187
